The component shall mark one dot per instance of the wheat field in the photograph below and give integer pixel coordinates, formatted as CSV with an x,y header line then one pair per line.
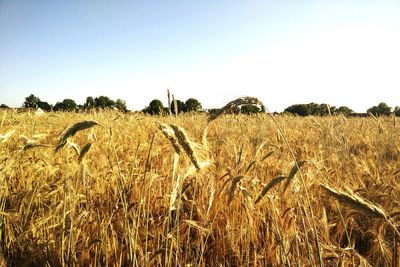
x,y
113,189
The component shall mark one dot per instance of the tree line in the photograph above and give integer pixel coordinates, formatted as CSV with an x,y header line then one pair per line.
x,y
156,107
101,102
313,109
176,106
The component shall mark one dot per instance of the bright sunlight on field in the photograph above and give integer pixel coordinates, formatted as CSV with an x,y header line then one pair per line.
x,y
128,189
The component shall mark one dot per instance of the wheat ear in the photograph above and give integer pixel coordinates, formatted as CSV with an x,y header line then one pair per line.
x,y
72,130
357,203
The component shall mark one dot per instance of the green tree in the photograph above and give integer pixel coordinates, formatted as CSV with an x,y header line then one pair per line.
x,y
155,107
44,106
313,109
373,110
104,102
326,109
89,104
381,110
180,104
3,106
165,110
31,101
251,109
384,109
396,111
345,111
65,105
58,106
298,109
121,105
192,104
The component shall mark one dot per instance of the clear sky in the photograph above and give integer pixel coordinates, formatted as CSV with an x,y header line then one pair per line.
x,y
283,52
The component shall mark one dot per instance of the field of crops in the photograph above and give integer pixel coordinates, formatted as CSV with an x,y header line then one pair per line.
x,y
113,189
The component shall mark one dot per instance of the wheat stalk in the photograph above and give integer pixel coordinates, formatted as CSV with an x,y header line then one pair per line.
x,y
175,105
72,130
180,139
7,135
170,135
269,186
356,202
204,137
74,147
235,181
296,167
33,145
169,103
187,145
3,119
236,105
83,151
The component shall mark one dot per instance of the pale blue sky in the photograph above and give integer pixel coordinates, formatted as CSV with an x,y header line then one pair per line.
x,y
283,52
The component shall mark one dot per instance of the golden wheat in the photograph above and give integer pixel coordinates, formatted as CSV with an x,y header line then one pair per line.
x,y
356,202
129,201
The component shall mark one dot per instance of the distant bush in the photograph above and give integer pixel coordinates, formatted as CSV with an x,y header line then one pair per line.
x,y
155,107
381,110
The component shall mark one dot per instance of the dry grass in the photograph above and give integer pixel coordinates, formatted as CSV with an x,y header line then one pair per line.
x,y
166,191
